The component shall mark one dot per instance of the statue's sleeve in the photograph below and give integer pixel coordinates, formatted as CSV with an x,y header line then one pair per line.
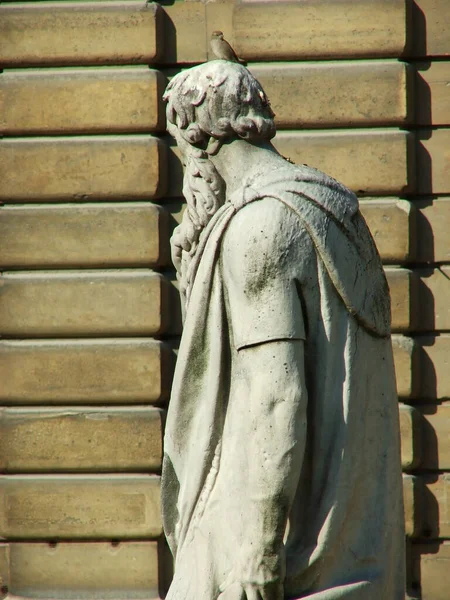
x,y
258,263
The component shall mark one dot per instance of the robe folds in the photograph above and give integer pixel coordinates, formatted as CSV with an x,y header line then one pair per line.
x,y
324,285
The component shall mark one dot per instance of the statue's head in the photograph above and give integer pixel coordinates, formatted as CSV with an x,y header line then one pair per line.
x,y
216,101
208,105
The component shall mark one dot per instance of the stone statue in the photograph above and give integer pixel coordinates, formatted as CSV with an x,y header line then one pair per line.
x,y
281,475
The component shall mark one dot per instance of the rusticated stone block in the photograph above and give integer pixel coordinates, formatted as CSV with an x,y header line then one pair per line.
x,y
403,289
436,438
66,101
330,94
434,299
54,507
432,230
434,367
413,498
411,438
367,161
81,168
114,571
81,235
83,303
69,439
274,31
432,568
96,371
80,33
433,161
432,102
406,359
431,34
392,224
437,509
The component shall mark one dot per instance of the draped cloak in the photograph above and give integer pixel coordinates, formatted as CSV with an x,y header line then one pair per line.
x,y
345,535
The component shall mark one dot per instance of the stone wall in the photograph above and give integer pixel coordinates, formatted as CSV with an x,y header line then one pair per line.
x,y
90,188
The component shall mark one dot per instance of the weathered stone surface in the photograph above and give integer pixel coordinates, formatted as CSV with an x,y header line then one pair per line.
x,y
392,224
330,94
185,32
53,507
403,288
432,568
432,95
406,358
71,439
432,226
114,571
436,436
434,367
433,161
81,168
280,286
84,235
437,510
103,100
83,303
434,299
431,35
271,31
410,432
413,497
366,161
96,371
79,33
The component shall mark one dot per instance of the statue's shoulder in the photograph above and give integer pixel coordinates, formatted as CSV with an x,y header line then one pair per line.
x,y
327,192
302,183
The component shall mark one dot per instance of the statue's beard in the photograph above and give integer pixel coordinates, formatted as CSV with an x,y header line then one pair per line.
x,y
204,190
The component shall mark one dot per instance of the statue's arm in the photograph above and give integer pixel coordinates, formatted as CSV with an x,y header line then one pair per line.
x,y
275,415
267,329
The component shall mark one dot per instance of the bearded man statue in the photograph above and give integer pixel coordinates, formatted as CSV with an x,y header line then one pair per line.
x,y
281,475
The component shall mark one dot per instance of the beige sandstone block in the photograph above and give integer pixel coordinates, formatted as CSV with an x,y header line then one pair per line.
x,y
93,100
83,303
54,507
403,289
434,299
413,498
277,30
114,571
95,371
431,34
432,93
80,33
433,567
68,439
84,235
392,224
330,94
81,168
434,366
410,432
437,512
406,360
367,161
433,238
185,39
433,161
436,436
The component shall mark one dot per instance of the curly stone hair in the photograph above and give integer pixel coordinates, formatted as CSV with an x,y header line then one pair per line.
x,y
219,99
